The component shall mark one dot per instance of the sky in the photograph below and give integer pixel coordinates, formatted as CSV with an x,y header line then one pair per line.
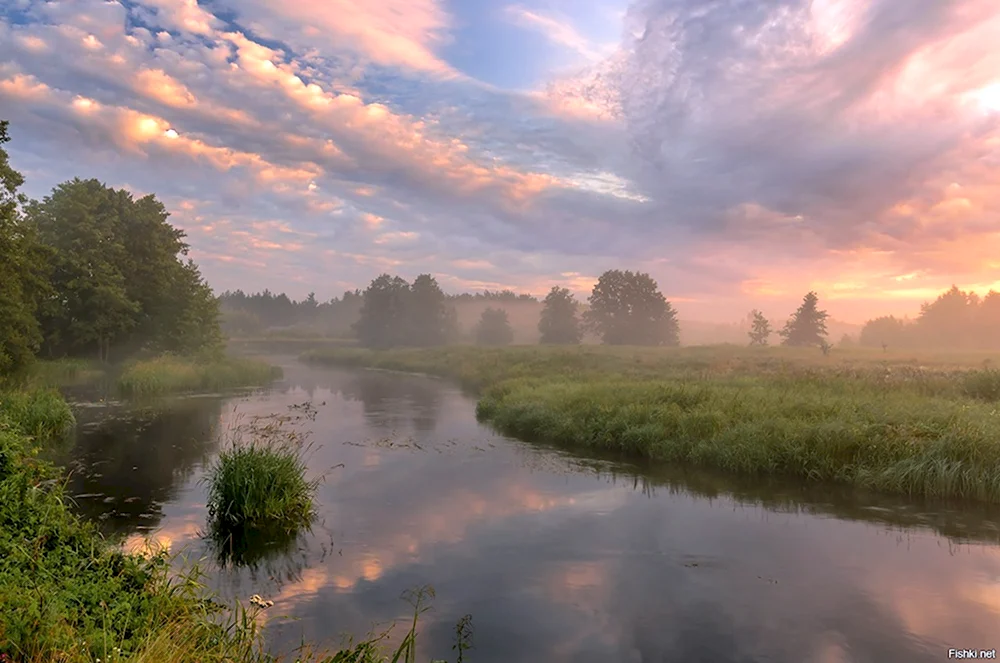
x,y
741,152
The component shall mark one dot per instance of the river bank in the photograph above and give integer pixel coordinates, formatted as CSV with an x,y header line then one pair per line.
x,y
900,424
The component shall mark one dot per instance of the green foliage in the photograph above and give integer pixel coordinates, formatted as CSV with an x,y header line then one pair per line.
x,y
807,326
20,334
760,328
627,308
493,328
116,276
898,427
170,374
559,324
39,414
258,481
394,313
430,319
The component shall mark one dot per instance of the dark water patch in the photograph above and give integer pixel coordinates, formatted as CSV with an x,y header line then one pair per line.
x,y
557,557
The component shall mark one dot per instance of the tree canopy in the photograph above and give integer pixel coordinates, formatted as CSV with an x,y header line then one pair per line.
x,y
760,328
494,328
395,313
21,275
119,275
627,308
559,324
807,325
89,268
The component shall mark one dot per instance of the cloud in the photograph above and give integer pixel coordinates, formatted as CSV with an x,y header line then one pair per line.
x,y
404,33
559,30
730,149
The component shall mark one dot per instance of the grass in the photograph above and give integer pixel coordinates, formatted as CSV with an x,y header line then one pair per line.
x,y
258,483
915,425
69,595
39,414
170,375
45,373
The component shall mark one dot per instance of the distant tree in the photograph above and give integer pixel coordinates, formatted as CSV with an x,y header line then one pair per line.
x,y
559,324
493,328
431,319
949,321
627,308
383,313
847,341
886,331
760,330
807,325
988,322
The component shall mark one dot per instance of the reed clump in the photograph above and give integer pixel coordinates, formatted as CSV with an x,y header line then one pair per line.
x,y
171,375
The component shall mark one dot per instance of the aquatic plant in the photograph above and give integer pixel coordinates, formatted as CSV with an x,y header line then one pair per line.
x,y
171,374
258,483
917,425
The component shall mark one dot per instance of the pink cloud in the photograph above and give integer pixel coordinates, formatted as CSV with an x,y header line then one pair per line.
x,y
402,33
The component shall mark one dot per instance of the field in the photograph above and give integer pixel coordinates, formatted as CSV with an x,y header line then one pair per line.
x,y
902,423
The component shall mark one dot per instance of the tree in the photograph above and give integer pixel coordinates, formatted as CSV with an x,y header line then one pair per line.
x,y
119,276
760,330
383,313
559,324
21,268
493,328
807,325
430,319
883,332
949,321
627,308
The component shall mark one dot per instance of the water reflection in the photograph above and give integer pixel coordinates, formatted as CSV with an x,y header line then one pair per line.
x,y
566,559
126,464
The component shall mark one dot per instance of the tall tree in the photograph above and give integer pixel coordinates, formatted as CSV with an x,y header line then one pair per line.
x,y
22,265
493,328
430,318
760,329
948,321
383,313
627,308
559,323
118,275
807,325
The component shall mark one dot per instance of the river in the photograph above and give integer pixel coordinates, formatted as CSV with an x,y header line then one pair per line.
x,y
557,558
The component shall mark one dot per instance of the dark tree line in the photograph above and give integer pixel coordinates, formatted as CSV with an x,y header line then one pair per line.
x,y
625,308
247,315
91,270
955,320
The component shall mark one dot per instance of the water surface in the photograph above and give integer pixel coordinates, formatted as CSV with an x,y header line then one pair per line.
x,y
557,558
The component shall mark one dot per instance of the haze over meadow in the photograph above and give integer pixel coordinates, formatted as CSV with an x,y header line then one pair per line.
x,y
740,153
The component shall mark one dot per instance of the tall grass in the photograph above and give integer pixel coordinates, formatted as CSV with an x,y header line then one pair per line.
x,y
258,481
170,374
41,414
911,425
